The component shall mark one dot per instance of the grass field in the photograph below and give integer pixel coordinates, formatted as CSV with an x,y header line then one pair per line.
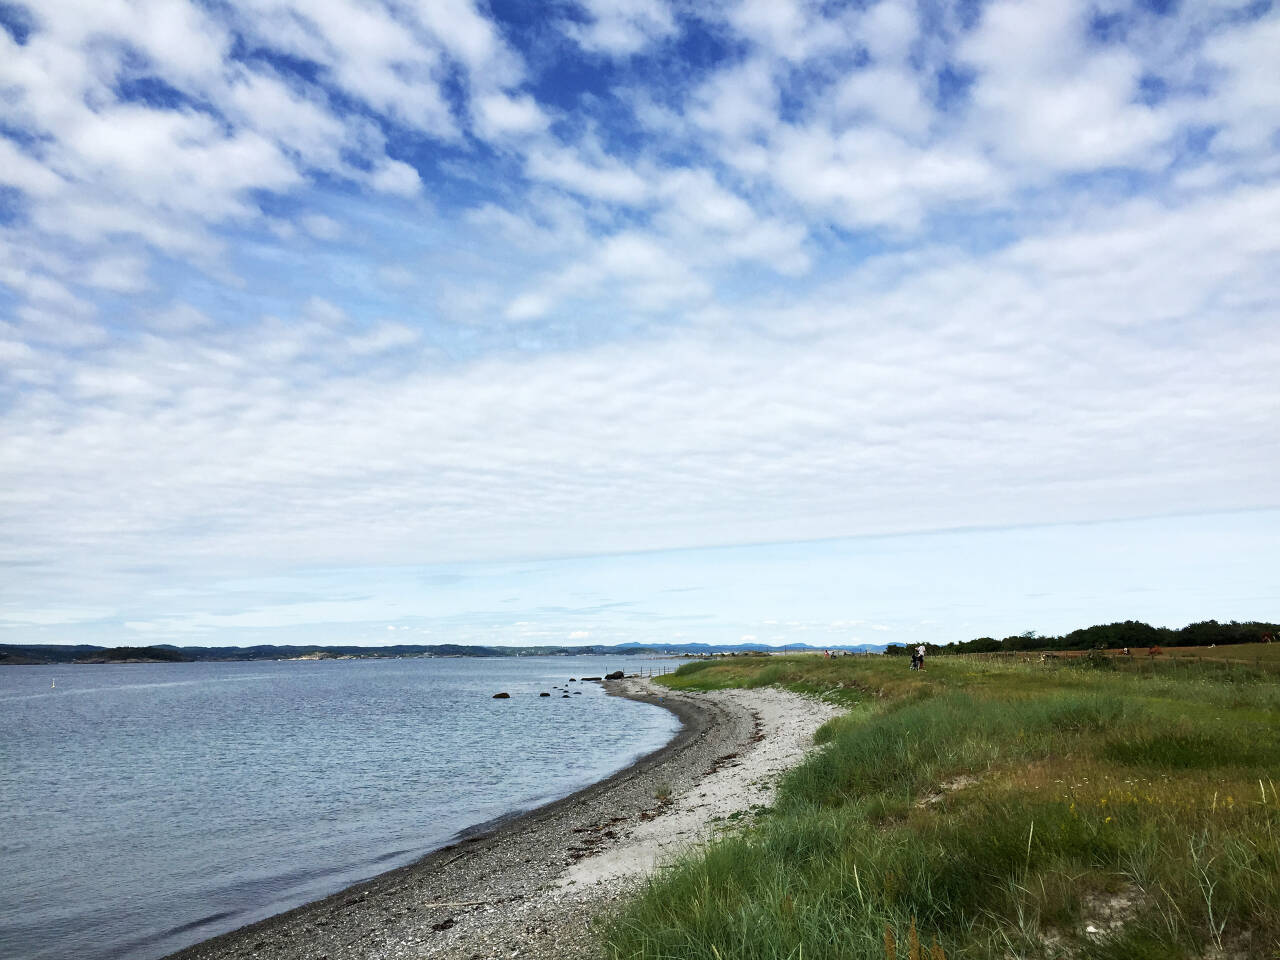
x,y
989,808
1258,654
1237,652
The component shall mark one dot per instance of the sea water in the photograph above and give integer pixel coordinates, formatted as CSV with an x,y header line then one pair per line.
x,y
151,806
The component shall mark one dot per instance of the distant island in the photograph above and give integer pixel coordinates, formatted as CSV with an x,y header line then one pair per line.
x,y
31,654
134,655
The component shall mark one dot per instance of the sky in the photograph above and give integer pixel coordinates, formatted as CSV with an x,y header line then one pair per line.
x,y
613,320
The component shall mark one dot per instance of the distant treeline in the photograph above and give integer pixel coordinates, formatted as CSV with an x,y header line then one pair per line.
x,y
37,653
1130,633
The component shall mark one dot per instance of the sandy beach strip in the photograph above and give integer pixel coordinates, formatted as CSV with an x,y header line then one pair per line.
x,y
531,886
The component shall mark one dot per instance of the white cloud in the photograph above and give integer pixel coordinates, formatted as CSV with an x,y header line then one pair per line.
x,y
173,170
396,177
371,53
298,122
120,274
499,115
788,29
397,275
321,227
966,392
471,38
323,313
384,337
891,98
20,170
869,177
738,102
1047,100
587,172
1248,102
623,27
637,270
784,294
180,318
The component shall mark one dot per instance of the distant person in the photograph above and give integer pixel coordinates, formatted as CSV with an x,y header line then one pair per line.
x,y
1126,652
920,657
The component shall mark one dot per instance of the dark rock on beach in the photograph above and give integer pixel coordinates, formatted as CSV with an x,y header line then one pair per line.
x,y
616,675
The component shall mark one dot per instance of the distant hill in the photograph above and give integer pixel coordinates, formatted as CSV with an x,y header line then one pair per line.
x,y
83,653
135,655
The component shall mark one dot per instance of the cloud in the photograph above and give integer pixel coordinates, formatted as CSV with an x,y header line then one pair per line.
x,y
787,29
850,270
499,115
322,227
180,318
122,274
1047,99
623,27
962,392
631,264
143,120
381,338
396,178
587,172
1246,106
874,178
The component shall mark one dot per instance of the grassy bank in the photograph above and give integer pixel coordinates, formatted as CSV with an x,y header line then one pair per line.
x,y
985,808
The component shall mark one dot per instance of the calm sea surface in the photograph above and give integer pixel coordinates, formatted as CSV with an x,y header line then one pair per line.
x,y
150,806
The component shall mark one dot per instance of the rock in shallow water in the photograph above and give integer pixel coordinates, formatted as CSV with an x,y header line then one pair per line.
x,y
502,696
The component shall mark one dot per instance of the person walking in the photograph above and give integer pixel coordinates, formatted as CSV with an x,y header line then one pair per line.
x,y
920,657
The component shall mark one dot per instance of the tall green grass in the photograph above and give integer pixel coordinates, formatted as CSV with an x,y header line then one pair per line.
x,y
1003,810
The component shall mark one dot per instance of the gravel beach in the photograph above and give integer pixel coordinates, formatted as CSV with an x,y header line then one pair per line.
x,y
532,885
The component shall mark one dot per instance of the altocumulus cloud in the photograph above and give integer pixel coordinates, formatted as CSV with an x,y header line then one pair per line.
x,y
343,282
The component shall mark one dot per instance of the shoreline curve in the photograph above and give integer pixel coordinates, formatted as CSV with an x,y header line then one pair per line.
x,y
277,937
532,884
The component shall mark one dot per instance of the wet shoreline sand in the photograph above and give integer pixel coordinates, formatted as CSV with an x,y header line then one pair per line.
x,y
531,884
